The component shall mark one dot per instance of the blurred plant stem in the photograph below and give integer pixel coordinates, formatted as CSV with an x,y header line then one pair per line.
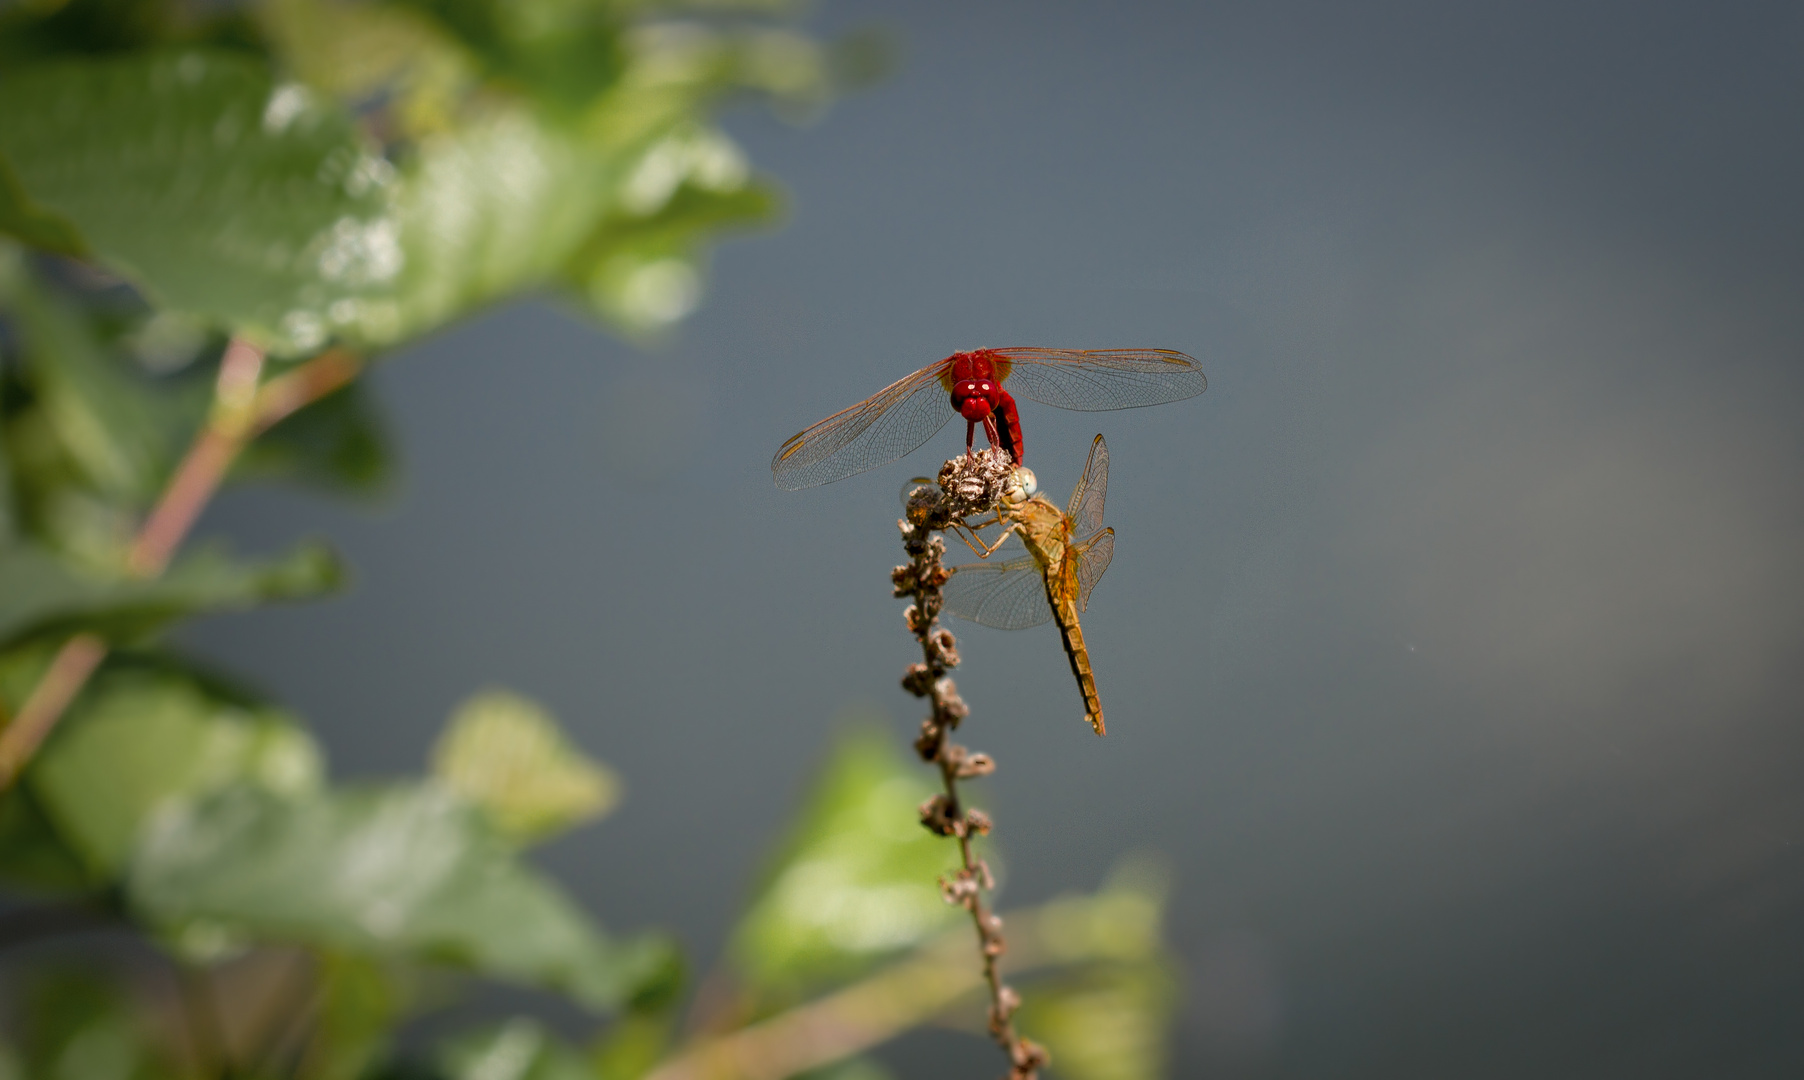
x,y
244,407
967,484
882,1006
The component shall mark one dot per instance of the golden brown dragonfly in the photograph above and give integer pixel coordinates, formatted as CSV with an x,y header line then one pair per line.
x,y
1067,551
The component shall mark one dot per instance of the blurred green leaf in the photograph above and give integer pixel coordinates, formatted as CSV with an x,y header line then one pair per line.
x,y
360,1002
79,1025
1109,1023
643,273
118,433
42,594
33,856
855,881
140,737
633,1044
519,1049
30,222
1108,1016
358,51
487,210
218,191
339,443
505,754
402,871
857,1068
562,52
1123,920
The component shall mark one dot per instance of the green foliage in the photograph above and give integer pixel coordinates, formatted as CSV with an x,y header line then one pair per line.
x,y
505,754
401,870
517,1050
43,595
143,738
854,882
80,1025
1106,1018
358,173
216,190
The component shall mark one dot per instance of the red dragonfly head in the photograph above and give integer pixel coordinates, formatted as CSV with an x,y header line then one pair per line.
x,y
976,399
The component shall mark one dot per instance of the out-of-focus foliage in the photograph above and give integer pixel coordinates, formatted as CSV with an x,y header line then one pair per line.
x,y
1109,1019
505,754
855,880
297,170
346,175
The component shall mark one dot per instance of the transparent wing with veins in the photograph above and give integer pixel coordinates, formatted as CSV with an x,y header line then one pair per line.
x,y
1085,508
1098,380
881,428
1093,557
1008,595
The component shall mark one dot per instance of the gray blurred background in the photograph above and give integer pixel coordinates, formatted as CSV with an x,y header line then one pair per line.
x,y
1451,649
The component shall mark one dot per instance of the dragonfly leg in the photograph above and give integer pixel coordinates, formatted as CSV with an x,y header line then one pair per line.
x,y
990,549
989,429
965,534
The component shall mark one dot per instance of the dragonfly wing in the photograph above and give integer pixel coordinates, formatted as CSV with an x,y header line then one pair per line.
x,y
1007,596
1085,510
876,431
1097,380
1093,557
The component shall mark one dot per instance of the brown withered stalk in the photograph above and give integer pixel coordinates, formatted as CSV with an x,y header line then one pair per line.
x,y
967,485
244,407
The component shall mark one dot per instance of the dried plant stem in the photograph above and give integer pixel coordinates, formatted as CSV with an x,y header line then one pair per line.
x,y
242,410
922,579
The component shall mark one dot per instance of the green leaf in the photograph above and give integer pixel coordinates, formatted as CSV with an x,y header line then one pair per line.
x,y
564,54
404,871
361,1000
1109,1016
80,1025
33,857
856,880
505,754
857,1068
633,1044
42,594
339,443
30,222
644,273
1110,1023
216,190
488,210
119,432
519,1049
140,737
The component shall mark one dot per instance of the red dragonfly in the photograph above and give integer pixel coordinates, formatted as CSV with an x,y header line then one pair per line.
x,y
906,413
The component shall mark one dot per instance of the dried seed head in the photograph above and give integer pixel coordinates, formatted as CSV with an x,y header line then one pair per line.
x,y
1007,1001
975,765
977,823
944,646
935,817
960,890
973,482
919,680
951,710
1028,1056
